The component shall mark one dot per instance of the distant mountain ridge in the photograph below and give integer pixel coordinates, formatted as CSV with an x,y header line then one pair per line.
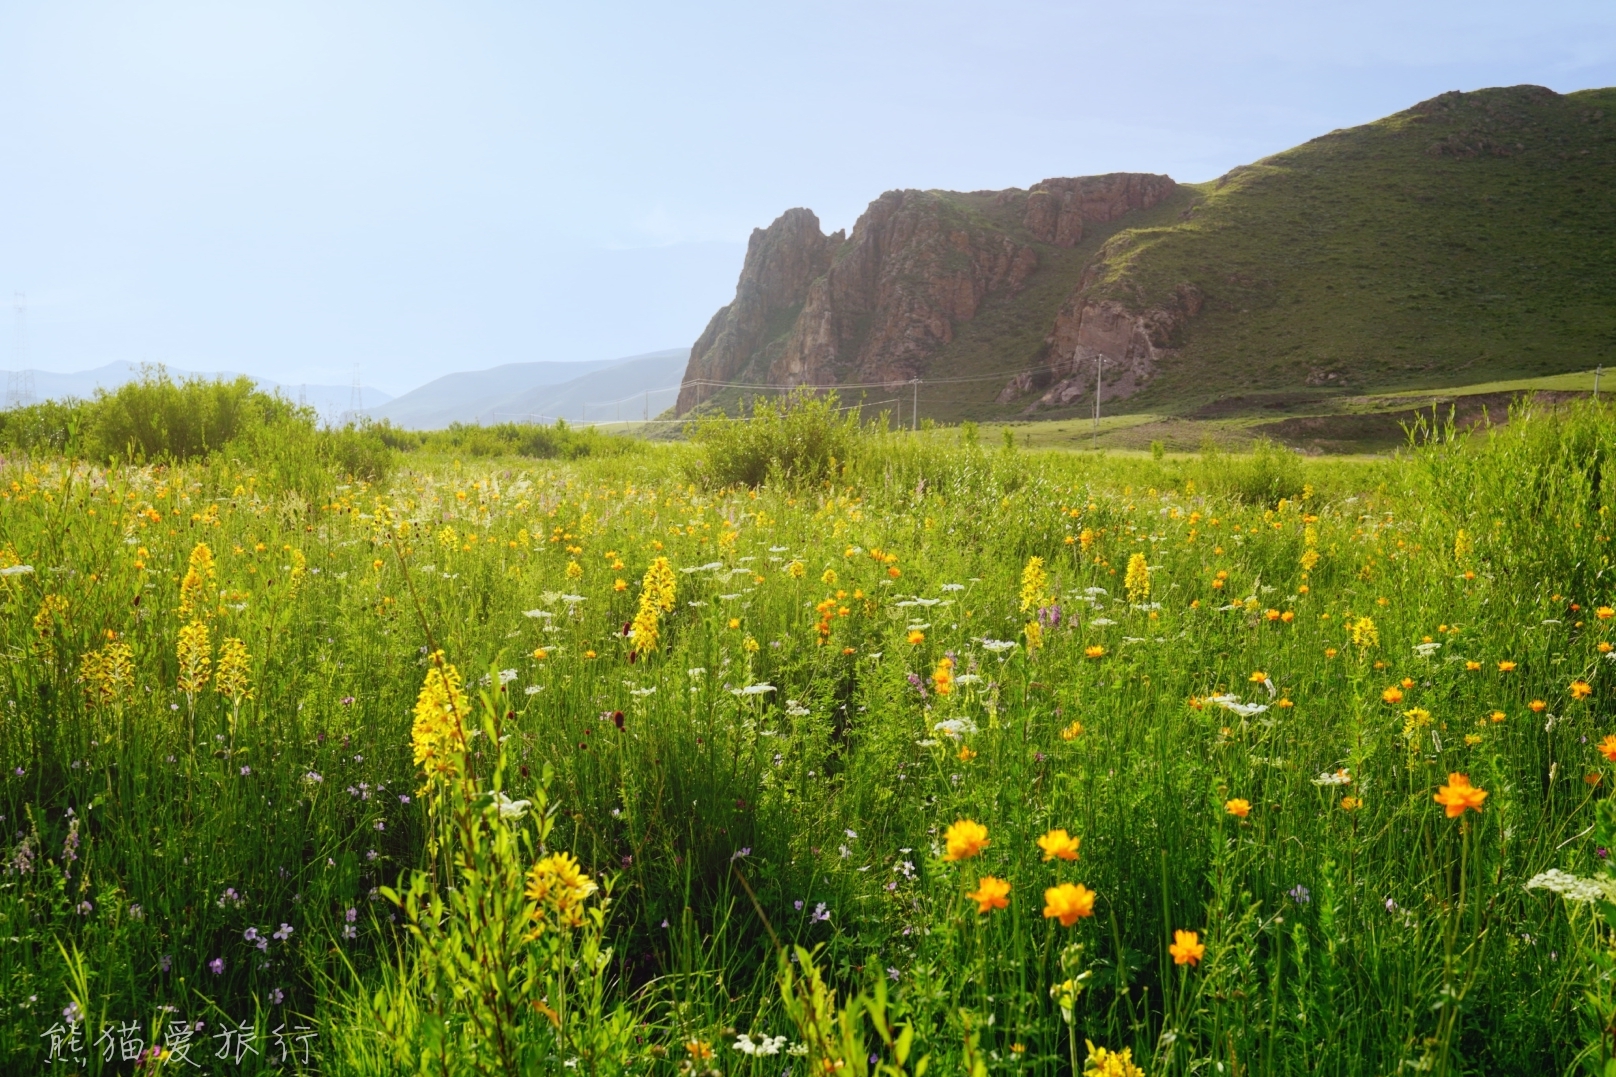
x,y
327,400
1469,238
634,387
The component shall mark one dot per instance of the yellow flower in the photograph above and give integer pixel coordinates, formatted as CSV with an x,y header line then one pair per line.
x,y
916,636
1035,635
1605,613
1186,948
829,577
195,654
52,612
109,674
966,753
540,653
1068,903
1103,1063
1472,666
1238,807
1506,666
619,585
1059,845
559,887
1537,706
1363,633
656,596
796,570
1351,803
194,588
1094,651
1072,732
1034,585
1258,677
699,1051
233,679
1462,546
1459,795
1393,695
942,678
574,570
1137,579
441,709
991,893
965,839
1581,689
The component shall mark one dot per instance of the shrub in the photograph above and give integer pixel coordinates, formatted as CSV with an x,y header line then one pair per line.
x,y
1262,477
795,438
157,418
553,442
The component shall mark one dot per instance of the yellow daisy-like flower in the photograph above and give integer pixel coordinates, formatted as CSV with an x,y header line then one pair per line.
x,y
964,839
1059,845
991,893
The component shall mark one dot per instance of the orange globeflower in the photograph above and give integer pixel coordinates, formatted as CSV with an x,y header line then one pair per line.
x,y
1581,689
1094,651
1069,903
991,893
1059,845
1186,948
1607,747
1506,666
1237,807
1604,613
1537,706
965,839
1393,695
1459,794
1472,666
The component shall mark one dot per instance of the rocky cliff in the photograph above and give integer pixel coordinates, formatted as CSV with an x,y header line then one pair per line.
x,y
880,305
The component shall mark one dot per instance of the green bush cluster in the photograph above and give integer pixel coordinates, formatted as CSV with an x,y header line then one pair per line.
x,y
797,438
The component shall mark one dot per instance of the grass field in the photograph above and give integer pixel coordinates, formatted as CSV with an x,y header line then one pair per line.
x,y
1219,763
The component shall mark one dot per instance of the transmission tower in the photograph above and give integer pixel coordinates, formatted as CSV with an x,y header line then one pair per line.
x,y
19,379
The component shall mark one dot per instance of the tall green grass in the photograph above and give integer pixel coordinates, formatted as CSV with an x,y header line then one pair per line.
x,y
812,811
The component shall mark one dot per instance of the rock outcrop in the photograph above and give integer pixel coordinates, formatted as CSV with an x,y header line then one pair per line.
x,y
879,305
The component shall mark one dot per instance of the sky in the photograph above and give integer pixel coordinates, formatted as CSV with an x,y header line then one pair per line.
x,y
303,190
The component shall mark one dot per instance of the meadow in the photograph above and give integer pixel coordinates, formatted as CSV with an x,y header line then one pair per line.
x,y
810,747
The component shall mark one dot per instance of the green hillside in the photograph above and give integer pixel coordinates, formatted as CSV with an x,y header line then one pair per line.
x,y
1472,237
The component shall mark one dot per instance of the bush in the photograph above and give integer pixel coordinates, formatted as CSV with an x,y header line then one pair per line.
x,y
157,418
554,442
1270,472
798,438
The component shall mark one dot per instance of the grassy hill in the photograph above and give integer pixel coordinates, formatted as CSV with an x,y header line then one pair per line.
x,y
1468,239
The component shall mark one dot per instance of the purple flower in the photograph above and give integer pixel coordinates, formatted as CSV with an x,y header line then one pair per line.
x,y
347,701
352,915
740,853
1049,616
276,997
245,771
85,908
892,974
1602,853
917,684
1300,894
820,913
216,966
72,1014
165,963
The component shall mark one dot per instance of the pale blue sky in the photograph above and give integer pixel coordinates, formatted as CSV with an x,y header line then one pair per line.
x,y
295,188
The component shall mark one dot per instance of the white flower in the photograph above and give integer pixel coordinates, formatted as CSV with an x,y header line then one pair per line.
x,y
1102,622
955,727
537,613
752,690
572,600
531,690
1232,703
1095,591
699,671
1333,777
795,709
1573,888
967,678
766,1045
511,809
1426,650
642,692
953,587
704,568
506,676
998,646
17,570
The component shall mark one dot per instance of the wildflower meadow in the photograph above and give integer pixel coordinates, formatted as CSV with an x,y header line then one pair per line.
x,y
901,753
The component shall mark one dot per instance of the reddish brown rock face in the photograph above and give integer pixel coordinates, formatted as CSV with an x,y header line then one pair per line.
x,y
879,305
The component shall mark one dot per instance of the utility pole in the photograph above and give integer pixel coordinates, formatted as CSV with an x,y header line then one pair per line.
x,y
1598,370
914,407
1099,365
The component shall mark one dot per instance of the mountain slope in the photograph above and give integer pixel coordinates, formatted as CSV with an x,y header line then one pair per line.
x,y
530,390
1468,238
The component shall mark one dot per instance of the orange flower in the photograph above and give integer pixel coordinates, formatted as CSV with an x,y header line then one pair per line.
x,y
1057,844
965,839
1095,651
1458,795
916,636
1497,716
1607,747
1237,807
1351,803
1258,677
1472,666
1408,682
1072,732
991,893
1393,695
1186,948
1506,666
966,753
1581,689
1070,903
1538,706
1604,613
